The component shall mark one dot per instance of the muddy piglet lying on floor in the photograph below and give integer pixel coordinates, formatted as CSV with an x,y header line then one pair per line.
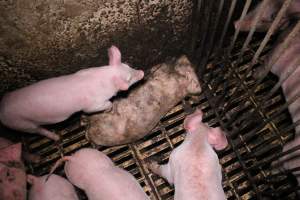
x,y
136,115
93,172
54,100
194,167
55,188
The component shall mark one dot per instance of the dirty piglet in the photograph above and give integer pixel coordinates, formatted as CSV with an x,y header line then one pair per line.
x,y
12,173
194,167
93,172
55,188
54,100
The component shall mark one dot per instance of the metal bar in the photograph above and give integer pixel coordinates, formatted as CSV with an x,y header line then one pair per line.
x,y
228,20
235,114
284,77
268,68
270,118
236,33
218,78
253,27
282,154
282,108
207,12
273,138
288,191
295,169
285,45
211,39
137,157
271,30
196,26
227,64
224,126
278,155
289,102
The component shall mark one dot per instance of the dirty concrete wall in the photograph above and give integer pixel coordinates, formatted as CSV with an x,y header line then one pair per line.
x,y
44,38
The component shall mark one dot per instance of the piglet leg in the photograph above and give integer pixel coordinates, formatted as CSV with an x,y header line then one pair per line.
x,y
160,170
57,164
99,107
47,133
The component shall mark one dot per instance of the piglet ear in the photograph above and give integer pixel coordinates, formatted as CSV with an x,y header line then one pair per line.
x,y
11,153
114,55
217,138
120,83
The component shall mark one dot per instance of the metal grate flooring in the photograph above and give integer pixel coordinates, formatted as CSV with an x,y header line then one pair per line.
x,y
254,135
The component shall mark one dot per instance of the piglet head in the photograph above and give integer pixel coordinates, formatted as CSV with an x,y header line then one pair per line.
x,y
192,121
184,68
12,174
125,76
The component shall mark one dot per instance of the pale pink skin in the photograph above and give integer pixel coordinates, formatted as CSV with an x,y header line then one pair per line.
x,y
291,87
291,160
193,166
95,173
12,173
55,188
268,16
286,62
54,100
27,156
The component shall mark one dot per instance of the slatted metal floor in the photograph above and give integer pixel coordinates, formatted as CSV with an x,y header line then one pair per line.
x,y
256,131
